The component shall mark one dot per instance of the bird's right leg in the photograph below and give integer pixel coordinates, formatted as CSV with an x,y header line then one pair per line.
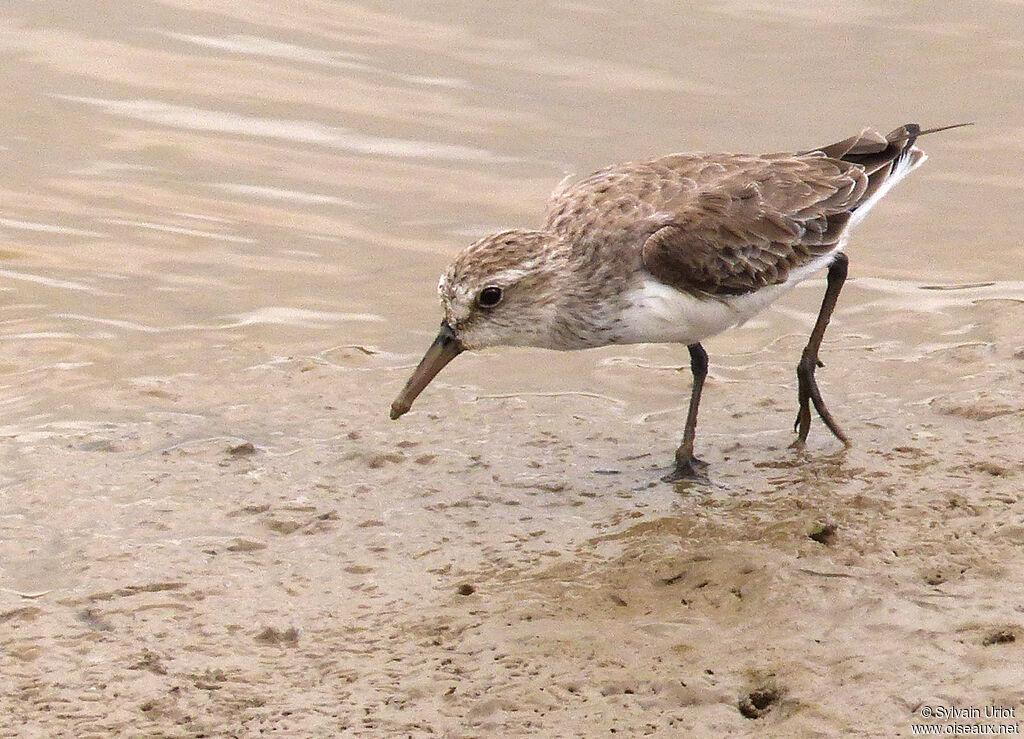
x,y
687,466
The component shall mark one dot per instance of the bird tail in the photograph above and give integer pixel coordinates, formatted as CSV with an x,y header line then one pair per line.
x,y
886,160
903,139
927,131
871,150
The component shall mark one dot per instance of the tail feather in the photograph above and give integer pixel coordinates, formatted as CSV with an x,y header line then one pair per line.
x,y
886,161
904,137
871,150
927,131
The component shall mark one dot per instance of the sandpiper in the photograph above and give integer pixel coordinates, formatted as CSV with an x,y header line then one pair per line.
x,y
674,249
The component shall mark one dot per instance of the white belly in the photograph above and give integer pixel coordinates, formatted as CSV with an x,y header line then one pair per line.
x,y
658,313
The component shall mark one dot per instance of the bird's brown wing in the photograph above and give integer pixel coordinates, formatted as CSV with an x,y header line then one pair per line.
x,y
749,221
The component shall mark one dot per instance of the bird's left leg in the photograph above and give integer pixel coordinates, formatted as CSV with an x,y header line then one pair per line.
x,y
808,387
688,466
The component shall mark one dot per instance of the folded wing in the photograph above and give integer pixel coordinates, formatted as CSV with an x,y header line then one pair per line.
x,y
749,221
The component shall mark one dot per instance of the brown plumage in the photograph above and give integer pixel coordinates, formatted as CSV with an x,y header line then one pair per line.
x,y
673,249
728,224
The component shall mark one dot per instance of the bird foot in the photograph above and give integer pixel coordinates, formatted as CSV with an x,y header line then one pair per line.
x,y
688,468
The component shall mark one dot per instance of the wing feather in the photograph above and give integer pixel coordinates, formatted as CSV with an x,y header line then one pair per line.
x,y
728,239
726,224
752,224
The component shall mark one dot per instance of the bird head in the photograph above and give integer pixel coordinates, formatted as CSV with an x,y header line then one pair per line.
x,y
501,291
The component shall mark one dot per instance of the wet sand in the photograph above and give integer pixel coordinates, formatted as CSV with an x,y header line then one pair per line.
x,y
280,557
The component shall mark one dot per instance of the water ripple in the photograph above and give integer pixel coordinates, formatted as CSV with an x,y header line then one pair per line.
x,y
258,46
296,131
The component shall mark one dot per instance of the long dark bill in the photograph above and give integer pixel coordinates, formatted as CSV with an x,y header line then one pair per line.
x,y
444,349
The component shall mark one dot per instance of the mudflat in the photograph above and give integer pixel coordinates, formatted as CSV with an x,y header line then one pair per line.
x,y
272,558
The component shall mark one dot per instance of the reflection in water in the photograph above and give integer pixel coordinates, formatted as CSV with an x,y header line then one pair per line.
x,y
257,46
277,193
50,282
180,230
46,228
302,132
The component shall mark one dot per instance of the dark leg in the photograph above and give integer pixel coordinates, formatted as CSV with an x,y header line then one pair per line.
x,y
809,392
688,466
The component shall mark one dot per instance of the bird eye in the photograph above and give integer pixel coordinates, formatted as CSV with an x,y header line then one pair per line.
x,y
489,297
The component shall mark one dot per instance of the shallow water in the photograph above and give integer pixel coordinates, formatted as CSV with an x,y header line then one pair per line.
x,y
198,187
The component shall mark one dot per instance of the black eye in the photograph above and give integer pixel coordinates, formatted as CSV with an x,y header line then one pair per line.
x,y
489,297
